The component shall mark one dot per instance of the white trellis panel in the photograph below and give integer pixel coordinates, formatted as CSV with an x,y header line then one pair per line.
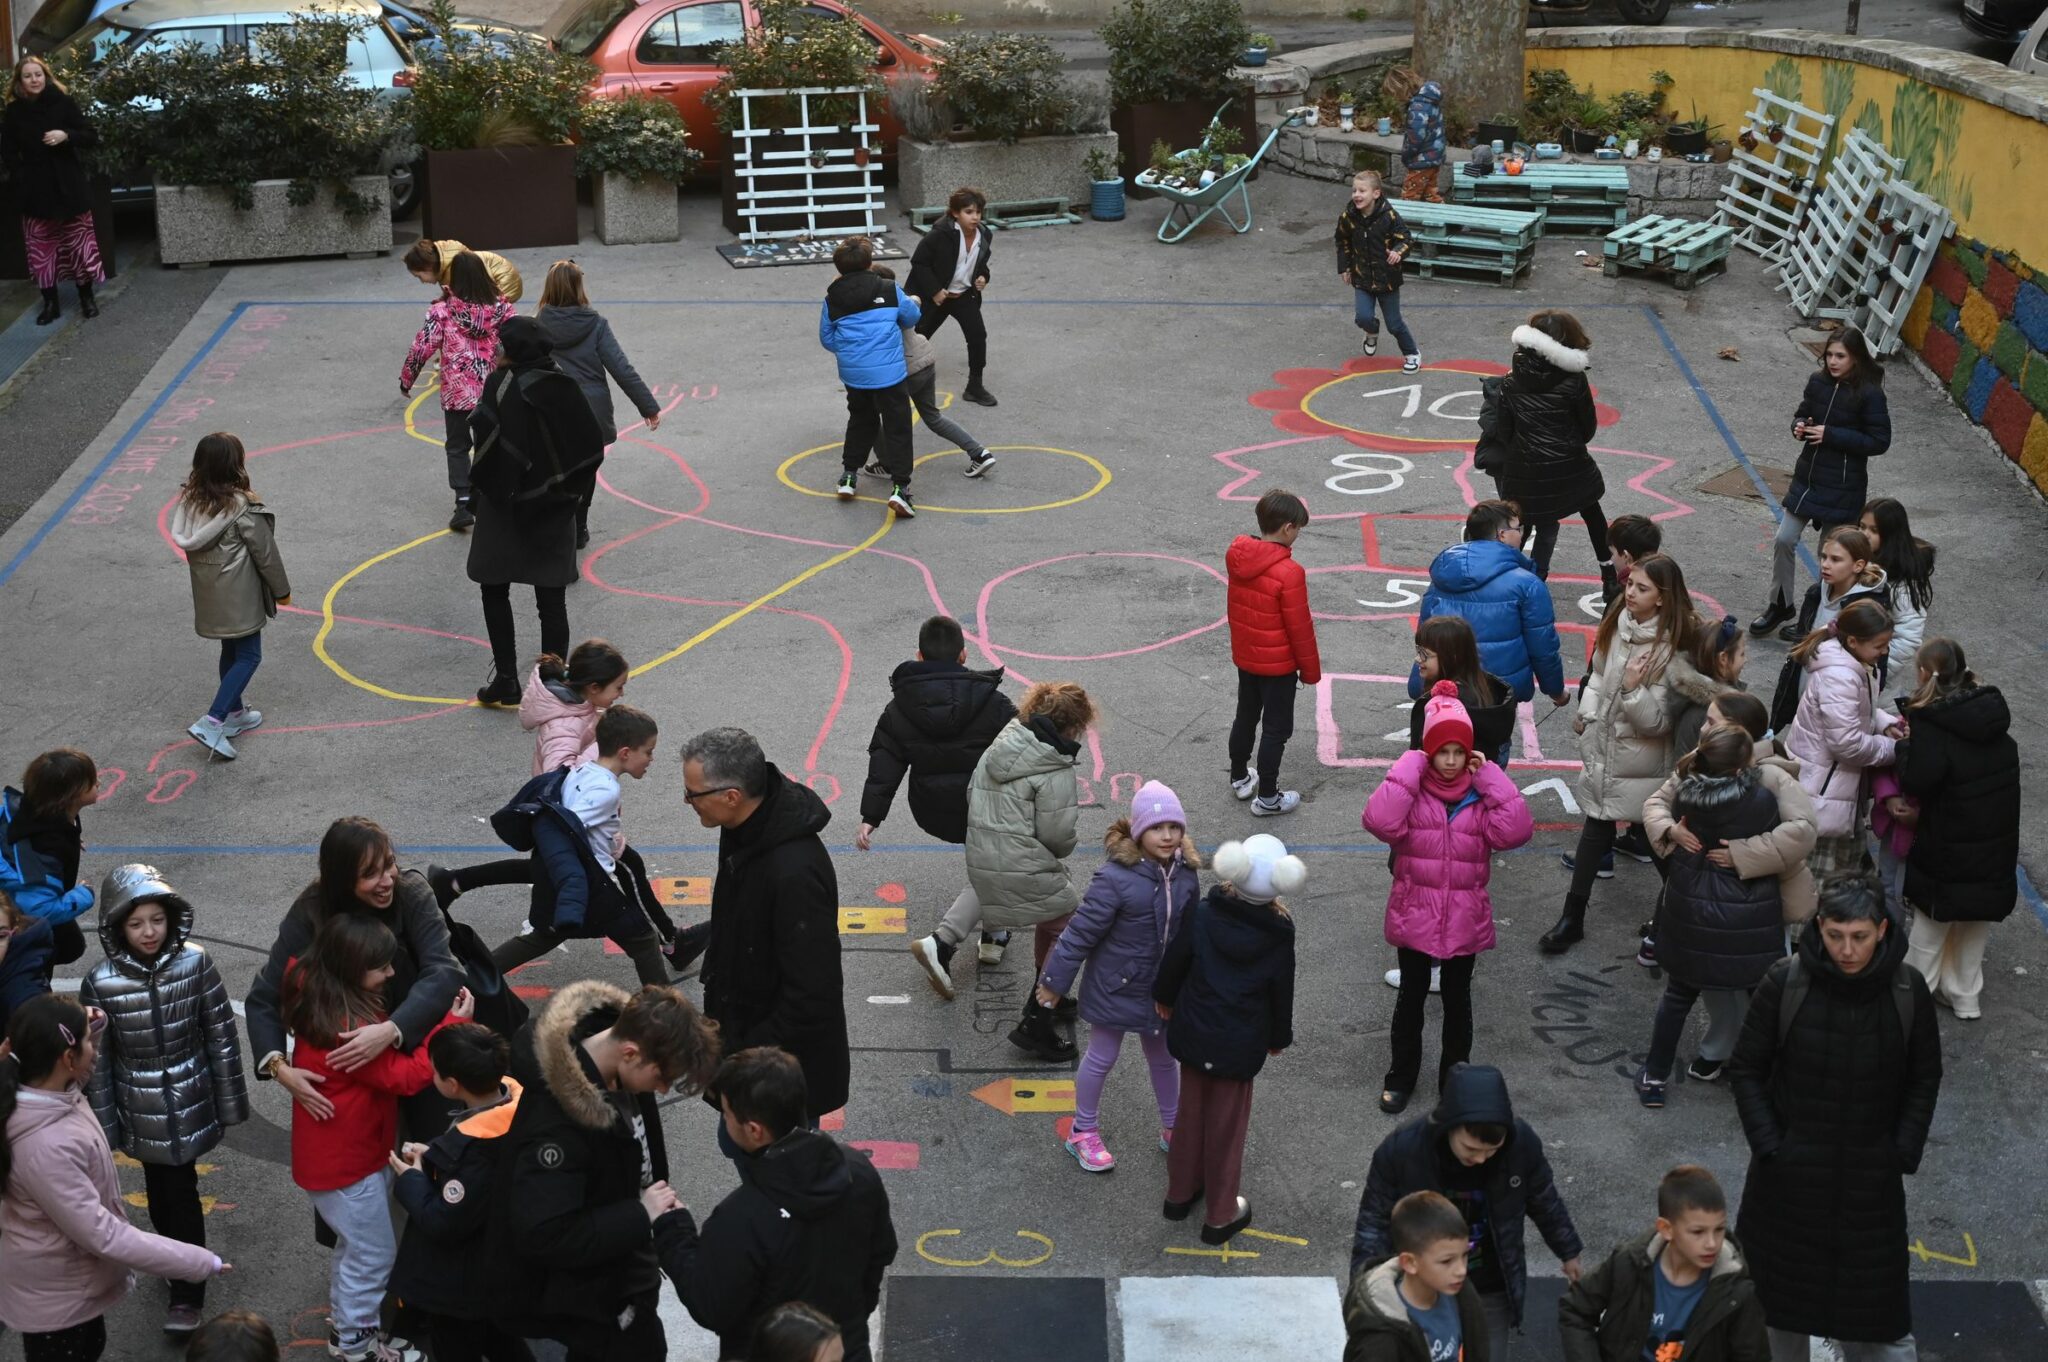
x,y
1823,270
820,179
1769,188
1911,230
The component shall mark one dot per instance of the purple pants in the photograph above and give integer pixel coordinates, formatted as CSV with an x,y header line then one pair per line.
x,y
1105,1043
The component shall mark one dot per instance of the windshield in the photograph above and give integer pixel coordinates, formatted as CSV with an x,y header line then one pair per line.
x,y
587,27
91,46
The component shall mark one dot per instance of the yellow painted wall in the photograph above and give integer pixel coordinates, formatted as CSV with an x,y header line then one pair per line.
x,y
1987,166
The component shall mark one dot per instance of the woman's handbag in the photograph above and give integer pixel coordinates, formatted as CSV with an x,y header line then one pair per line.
x,y
497,1006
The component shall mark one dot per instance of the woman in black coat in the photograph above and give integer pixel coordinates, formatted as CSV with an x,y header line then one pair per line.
x,y
42,133
1842,423
1960,762
1545,418
538,448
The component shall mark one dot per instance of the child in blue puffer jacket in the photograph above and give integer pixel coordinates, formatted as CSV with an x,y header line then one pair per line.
x,y
861,322
1423,144
1132,908
41,841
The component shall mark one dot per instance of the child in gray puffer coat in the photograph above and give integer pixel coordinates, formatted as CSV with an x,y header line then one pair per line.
x,y
168,1081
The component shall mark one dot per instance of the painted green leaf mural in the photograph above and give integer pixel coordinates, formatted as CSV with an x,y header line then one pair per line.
x,y
1838,88
1782,78
1871,120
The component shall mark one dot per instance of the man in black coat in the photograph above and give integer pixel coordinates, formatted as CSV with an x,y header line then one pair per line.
x,y
1476,1151
1835,1078
585,1167
771,969
809,1222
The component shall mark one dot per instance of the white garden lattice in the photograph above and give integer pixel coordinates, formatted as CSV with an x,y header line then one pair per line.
x,y
1823,272
1770,186
1912,228
817,176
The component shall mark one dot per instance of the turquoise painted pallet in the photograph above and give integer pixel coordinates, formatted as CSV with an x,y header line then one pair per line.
x,y
1454,221
1683,251
1470,271
1541,183
1583,220
1477,252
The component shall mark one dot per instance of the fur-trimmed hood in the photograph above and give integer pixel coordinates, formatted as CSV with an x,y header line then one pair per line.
x,y
1121,847
1708,792
574,1015
1557,355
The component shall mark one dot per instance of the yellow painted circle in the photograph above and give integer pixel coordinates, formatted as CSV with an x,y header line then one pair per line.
x,y
1103,477
1321,388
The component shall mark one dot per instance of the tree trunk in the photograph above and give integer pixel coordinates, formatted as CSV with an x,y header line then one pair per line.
x,y
1473,48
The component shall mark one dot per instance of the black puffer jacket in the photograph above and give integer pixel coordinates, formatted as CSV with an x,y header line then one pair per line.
x,y
940,720
771,970
1228,975
1518,1180
1716,929
1546,418
1363,240
444,1261
1835,1118
1832,480
1963,766
1605,1316
50,183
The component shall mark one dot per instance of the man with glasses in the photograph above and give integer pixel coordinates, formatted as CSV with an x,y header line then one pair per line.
x,y
1493,586
771,969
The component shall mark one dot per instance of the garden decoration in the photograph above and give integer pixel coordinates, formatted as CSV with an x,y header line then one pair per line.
x,y
1190,182
1768,190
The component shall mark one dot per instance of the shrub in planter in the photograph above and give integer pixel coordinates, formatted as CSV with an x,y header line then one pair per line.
x,y
635,150
1004,86
1161,51
790,48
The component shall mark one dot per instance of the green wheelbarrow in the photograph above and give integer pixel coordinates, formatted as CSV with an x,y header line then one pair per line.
x,y
1203,181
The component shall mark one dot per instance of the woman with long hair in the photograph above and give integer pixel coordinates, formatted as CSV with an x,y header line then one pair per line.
x,y
1546,417
586,350
1908,567
42,132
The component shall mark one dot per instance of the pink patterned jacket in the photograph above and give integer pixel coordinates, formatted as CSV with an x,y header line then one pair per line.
x,y
466,337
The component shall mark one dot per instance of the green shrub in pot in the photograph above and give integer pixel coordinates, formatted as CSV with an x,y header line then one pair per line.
x,y
1166,50
474,93
637,136
793,47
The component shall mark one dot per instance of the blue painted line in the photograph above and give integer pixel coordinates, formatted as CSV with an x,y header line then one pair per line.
x,y
1727,436
1004,302
2033,898
120,446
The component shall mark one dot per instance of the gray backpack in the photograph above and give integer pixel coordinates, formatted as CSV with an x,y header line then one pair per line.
x,y
1798,984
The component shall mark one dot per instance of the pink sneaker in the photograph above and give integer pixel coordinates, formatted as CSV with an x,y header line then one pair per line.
x,y
1166,1140
1086,1147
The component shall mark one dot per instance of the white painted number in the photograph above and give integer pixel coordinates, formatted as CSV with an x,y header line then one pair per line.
x,y
1400,589
1378,472
1436,408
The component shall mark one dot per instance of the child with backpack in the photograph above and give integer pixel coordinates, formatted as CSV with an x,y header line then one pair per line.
x,y
1840,733
921,379
461,331
41,841
1226,990
1372,241
1445,811
1129,913
1273,643
168,1082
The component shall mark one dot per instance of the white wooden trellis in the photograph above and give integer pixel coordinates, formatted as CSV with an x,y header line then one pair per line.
x,y
1769,188
820,179
1898,270
1824,270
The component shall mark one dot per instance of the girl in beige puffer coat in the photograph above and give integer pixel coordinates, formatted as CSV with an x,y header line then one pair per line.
x,y
1624,722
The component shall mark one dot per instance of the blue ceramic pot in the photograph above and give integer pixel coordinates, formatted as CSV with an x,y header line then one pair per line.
x,y
1106,200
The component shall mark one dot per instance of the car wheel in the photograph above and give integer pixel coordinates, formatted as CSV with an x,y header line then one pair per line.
x,y
407,187
1643,11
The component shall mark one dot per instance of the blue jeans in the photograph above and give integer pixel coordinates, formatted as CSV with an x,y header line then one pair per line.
x,y
1390,305
239,658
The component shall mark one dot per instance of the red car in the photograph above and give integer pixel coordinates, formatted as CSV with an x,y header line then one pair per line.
x,y
665,47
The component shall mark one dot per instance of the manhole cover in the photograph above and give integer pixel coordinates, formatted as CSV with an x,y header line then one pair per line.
x,y
1736,482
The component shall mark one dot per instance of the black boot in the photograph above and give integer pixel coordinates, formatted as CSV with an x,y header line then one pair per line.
x,y
1570,928
977,394
1035,1035
1775,614
88,306
501,692
51,311
1610,584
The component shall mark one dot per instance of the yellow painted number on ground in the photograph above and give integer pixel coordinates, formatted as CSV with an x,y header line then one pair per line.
x,y
987,1259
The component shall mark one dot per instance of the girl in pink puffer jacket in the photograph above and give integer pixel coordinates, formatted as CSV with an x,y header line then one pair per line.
x,y
1840,733
1444,810
562,700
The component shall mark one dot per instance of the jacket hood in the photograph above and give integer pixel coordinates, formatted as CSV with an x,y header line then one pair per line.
x,y
1021,751
125,887
1248,559
1473,1094
790,811
1121,847
1977,714
37,1111
1701,791
1465,568
1875,977
543,703
1380,1309
804,1173
568,326
1431,91
1551,352
574,1015
1245,931
1728,1263
862,292
1831,655
191,531
940,699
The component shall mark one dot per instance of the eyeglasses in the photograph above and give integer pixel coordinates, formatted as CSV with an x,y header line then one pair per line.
x,y
691,796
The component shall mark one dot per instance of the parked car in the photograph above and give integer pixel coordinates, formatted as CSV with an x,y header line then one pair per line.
x,y
416,30
662,47
2031,56
59,19
2004,21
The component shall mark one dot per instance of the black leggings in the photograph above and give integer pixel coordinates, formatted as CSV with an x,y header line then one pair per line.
x,y
1596,840
1545,532
80,1343
175,1213
553,604
1408,1011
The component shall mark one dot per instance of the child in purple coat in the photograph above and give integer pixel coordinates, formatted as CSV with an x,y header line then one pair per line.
x,y
1132,907
1445,810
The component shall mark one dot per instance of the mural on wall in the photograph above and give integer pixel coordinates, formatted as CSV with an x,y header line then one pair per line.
x,y
1925,129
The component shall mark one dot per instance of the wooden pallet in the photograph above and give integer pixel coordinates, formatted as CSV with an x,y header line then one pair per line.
x,y
1543,181
1470,271
1564,219
1683,251
1769,188
1453,252
1461,222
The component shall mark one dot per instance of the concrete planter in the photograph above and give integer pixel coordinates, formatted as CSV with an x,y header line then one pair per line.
x,y
197,226
1035,168
630,211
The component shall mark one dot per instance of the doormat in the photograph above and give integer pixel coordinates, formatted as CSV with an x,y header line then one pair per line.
x,y
743,255
1736,482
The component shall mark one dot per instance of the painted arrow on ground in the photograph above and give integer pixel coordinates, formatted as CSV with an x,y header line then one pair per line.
x,y
1015,1096
1557,786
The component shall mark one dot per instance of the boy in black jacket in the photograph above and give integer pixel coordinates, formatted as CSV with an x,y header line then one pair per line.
x,y
948,271
1683,1293
810,1221
939,720
446,1189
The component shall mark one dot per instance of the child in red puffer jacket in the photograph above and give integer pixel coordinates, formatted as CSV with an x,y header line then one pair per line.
x,y
1273,643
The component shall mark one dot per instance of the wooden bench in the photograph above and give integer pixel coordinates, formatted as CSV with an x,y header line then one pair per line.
x,y
1585,199
1681,250
1454,241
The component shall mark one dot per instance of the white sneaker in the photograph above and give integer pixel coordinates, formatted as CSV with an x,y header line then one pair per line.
x,y
990,951
936,958
1436,978
240,721
1245,788
213,737
1372,342
1410,363
1287,801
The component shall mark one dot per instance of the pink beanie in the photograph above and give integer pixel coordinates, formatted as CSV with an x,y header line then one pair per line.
x,y
1152,805
1444,719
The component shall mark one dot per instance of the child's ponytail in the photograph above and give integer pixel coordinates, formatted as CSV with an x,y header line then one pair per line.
x,y
41,1032
593,664
1947,671
1861,621
1722,751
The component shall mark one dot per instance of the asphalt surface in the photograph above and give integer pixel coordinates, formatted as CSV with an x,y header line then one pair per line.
x,y
1142,393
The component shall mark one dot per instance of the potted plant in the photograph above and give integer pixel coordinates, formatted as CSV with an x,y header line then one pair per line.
x,y
1689,137
1169,70
998,113
1501,127
1588,122
256,154
1105,184
494,120
635,150
1256,49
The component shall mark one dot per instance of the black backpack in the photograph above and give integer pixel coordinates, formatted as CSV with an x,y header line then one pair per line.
x,y
1798,985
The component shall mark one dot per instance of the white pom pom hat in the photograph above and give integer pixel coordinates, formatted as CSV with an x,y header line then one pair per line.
x,y
1259,868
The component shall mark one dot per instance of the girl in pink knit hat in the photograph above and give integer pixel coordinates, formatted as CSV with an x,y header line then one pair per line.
x,y
1445,810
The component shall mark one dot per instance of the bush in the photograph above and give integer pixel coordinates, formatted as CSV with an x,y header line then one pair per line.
x,y
226,119
997,87
637,136
477,93
794,47
1163,50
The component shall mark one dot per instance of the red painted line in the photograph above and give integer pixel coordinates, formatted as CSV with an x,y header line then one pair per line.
x,y
892,1154
833,1120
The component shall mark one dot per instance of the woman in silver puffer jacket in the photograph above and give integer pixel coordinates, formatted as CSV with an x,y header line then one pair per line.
x,y
168,1082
